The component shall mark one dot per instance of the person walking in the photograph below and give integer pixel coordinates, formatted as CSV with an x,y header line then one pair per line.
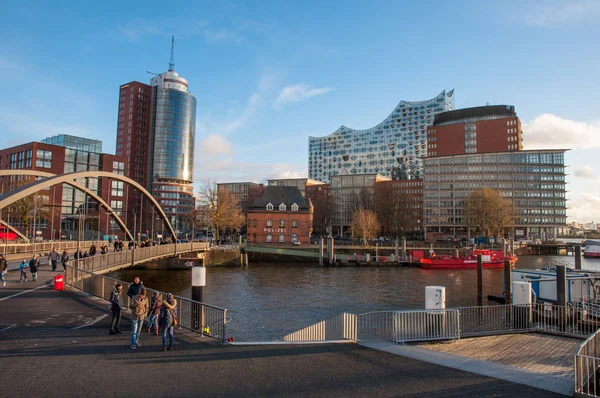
x,y
116,300
34,264
53,257
135,288
93,250
139,309
167,321
23,268
64,259
3,269
155,306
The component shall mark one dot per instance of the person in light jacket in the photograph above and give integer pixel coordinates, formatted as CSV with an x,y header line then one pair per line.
x,y
53,257
167,317
139,309
64,259
116,301
155,306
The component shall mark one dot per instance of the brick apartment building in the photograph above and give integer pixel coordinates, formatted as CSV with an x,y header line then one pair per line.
x,y
279,215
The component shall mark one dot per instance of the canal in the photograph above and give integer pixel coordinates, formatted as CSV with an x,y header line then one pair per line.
x,y
267,301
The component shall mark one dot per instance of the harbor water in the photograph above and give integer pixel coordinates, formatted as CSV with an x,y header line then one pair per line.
x,y
267,301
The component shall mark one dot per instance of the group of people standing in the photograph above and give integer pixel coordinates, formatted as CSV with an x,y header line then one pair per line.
x,y
159,311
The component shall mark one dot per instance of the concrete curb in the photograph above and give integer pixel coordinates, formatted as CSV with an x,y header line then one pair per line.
x,y
545,382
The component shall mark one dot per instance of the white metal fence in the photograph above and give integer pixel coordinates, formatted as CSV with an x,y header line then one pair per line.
x,y
422,325
587,363
199,317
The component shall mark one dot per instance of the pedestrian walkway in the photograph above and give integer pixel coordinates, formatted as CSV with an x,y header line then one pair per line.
x,y
62,337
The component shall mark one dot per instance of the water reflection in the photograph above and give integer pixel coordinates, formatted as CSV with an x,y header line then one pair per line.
x,y
266,301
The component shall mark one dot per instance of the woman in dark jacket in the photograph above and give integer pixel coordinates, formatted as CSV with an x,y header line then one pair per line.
x,y
34,264
167,317
154,312
116,300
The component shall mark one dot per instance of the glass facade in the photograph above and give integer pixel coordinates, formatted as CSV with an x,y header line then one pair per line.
x,y
174,130
534,181
393,148
73,142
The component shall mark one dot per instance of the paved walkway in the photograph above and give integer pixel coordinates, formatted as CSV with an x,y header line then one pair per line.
x,y
46,349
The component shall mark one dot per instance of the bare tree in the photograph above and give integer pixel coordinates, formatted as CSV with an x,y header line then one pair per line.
x,y
365,225
221,207
29,210
487,212
323,213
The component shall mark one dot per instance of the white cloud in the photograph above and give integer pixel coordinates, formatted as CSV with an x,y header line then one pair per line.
x,y
561,12
585,172
222,35
215,145
584,208
552,132
299,92
244,115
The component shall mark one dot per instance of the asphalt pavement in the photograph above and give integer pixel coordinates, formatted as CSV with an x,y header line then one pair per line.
x,y
56,343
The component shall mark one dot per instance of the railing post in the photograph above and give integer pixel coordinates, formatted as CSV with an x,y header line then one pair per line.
x,y
479,280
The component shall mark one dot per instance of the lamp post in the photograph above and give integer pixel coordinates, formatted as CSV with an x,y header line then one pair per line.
x,y
133,251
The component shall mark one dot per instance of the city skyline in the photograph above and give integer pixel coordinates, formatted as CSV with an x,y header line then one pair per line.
x,y
268,76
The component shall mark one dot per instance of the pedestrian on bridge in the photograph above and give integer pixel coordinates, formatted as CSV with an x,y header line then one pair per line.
x,y
139,309
23,268
53,257
34,264
155,306
116,300
167,321
135,288
64,259
3,269
92,250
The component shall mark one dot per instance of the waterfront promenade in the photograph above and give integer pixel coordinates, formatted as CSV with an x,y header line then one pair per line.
x,y
57,344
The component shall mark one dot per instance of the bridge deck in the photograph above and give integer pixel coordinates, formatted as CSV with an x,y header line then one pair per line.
x,y
534,352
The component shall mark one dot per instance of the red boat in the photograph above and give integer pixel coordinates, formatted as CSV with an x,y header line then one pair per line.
x,y
592,252
491,259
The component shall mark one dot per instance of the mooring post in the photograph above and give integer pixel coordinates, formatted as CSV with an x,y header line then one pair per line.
x,y
246,258
512,247
577,256
198,295
561,285
504,248
507,283
376,252
397,248
479,280
321,244
403,248
331,251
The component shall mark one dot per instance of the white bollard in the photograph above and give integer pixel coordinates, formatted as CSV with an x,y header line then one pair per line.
x,y
435,297
521,293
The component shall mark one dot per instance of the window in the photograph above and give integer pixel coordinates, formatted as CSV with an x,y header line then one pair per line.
x,y
294,237
269,206
117,188
282,207
43,159
269,238
269,223
294,223
281,238
119,168
294,207
254,223
281,223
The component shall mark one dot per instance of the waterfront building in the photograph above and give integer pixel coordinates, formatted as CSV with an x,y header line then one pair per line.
x,y
62,205
279,215
244,192
534,180
308,187
482,129
156,131
394,147
348,193
399,207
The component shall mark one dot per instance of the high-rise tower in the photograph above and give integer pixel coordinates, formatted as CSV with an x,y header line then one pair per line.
x,y
161,156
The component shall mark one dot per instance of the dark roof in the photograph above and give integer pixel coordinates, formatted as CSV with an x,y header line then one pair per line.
x,y
279,195
475,112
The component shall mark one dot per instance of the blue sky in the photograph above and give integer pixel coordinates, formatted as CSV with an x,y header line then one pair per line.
x,y
268,74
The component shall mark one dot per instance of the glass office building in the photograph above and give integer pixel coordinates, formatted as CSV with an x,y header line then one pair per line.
x,y
171,163
394,148
534,181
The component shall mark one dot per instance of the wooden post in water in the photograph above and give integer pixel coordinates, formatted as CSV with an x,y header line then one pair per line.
x,y
561,286
321,251
479,280
577,256
507,283
403,248
397,248
330,249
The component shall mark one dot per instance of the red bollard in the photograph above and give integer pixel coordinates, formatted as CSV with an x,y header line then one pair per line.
x,y
59,282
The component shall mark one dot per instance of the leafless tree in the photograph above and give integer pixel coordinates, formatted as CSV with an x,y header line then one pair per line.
x,y
220,206
323,214
394,209
365,225
487,212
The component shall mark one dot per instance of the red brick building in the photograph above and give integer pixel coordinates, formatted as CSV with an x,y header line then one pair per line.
x,y
482,129
279,215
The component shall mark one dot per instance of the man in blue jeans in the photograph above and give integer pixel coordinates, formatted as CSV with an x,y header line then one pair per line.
x,y
54,256
139,309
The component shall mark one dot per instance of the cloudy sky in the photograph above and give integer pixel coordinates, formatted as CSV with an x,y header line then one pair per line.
x,y
268,74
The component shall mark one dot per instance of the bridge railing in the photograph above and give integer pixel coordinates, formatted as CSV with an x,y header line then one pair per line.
x,y
587,363
192,315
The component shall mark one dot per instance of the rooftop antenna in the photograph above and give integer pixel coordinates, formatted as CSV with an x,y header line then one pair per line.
x,y
172,63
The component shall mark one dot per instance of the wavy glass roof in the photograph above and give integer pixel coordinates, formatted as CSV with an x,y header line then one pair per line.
x,y
393,148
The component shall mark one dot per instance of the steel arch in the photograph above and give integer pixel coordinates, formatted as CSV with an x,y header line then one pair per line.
x,y
13,229
74,184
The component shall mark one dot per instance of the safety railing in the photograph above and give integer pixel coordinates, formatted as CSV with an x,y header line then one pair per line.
x,y
198,317
423,325
495,319
341,327
587,363
378,325
44,247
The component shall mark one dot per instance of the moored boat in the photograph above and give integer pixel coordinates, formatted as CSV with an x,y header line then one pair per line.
x,y
490,259
592,252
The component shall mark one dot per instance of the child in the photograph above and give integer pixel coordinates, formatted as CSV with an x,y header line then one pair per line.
x,y
23,268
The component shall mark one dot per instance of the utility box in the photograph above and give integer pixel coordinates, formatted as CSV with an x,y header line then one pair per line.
x,y
59,282
521,293
435,297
